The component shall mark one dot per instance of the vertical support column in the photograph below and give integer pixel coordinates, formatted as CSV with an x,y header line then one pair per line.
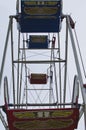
x,y
12,58
65,71
25,71
18,95
60,86
50,85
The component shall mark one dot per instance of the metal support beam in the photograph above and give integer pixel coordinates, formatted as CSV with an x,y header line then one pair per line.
x,y
78,67
5,51
42,49
39,104
39,62
12,57
65,70
3,121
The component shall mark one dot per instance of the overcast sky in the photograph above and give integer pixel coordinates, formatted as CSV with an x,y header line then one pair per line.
x,y
77,9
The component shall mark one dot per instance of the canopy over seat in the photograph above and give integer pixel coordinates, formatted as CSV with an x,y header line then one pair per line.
x,y
40,16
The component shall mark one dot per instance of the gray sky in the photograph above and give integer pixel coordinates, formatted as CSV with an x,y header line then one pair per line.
x,y
76,8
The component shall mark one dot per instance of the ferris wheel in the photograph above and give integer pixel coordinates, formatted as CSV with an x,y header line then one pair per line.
x,y
37,93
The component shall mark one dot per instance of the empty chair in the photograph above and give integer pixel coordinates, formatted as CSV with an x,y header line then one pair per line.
x,y
38,42
40,16
37,78
43,119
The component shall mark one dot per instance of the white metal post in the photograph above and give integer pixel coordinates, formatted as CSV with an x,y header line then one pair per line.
x,y
5,51
78,67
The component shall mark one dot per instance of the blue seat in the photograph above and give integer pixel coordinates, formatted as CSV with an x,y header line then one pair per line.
x,y
40,16
38,42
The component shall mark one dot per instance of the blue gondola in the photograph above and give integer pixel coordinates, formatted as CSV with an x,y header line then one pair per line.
x,y
40,16
38,42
